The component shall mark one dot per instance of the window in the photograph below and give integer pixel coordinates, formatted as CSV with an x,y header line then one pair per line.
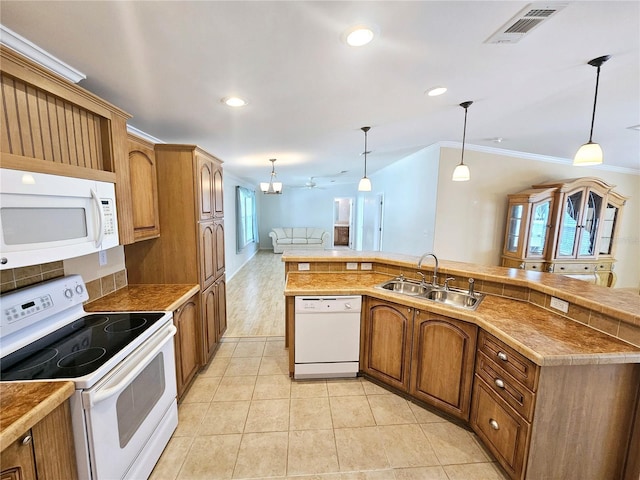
x,y
246,218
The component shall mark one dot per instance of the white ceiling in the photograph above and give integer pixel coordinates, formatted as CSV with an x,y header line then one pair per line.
x,y
170,63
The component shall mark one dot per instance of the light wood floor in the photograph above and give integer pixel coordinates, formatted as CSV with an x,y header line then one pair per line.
x,y
255,300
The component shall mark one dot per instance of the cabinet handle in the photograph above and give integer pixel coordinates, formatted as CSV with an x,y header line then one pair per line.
x,y
499,383
521,265
502,356
27,440
586,268
561,268
494,424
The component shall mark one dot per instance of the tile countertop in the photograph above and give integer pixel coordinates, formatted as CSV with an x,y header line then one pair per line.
x,y
540,335
624,305
144,297
23,404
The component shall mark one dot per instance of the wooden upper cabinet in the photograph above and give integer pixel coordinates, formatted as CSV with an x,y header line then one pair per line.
x,y
205,169
387,350
443,356
218,198
144,188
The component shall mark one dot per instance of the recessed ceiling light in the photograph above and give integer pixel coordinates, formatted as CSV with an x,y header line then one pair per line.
x,y
359,35
434,92
234,101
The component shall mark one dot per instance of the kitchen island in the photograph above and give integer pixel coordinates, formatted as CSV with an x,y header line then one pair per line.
x,y
549,392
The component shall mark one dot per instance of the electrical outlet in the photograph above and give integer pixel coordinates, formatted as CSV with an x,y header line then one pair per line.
x,y
365,266
102,257
352,265
559,304
303,267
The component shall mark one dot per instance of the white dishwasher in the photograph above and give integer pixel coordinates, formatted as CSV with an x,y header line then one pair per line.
x,y
327,336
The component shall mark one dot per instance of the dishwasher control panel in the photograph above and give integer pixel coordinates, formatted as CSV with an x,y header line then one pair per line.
x,y
333,304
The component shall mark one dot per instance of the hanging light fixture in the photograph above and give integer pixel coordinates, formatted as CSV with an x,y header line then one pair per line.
x,y
590,153
272,187
365,183
461,173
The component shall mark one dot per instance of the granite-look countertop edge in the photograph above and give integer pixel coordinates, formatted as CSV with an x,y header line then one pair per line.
x,y
24,404
538,334
594,297
144,297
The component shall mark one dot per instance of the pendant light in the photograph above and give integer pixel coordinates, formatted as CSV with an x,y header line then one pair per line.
x,y
590,153
365,183
461,173
272,187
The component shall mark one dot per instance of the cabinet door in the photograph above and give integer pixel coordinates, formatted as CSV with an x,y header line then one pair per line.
x,y
570,217
186,342
209,253
221,307
205,187
218,198
144,190
218,248
388,343
590,225
539,226
17,460
442,362
209,329
516,220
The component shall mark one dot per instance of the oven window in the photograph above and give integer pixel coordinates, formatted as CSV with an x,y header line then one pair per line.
x,y
22,226
138,399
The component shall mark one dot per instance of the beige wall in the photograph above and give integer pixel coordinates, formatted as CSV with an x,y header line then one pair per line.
x,y
470,216
88,266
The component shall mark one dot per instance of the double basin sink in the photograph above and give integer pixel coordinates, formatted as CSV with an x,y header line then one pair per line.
x,y
448,296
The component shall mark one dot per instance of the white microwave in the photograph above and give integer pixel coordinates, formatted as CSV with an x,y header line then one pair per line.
x,y
45,218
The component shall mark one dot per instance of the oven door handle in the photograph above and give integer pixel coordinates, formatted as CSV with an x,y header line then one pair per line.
x,y
101,394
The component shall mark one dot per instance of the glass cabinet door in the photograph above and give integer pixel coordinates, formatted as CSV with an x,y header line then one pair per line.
x,y
513,228
569,224
539,228
607,229
590,225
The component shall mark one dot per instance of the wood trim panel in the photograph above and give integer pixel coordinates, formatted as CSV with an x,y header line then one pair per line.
x,y
590,409
17,162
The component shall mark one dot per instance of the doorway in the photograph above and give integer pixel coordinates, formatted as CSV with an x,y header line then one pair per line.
x,y
372,218
343,222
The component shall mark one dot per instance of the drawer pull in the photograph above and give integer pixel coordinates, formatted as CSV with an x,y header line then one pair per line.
x,y
494,424
26,440
499,383
502,356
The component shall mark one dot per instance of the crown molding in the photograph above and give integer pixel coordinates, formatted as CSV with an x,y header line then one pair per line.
x,y
532,156
139,133
36,54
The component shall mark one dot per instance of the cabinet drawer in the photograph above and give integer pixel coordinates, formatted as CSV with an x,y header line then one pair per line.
x,y
507,387
501,429
581,267
520,367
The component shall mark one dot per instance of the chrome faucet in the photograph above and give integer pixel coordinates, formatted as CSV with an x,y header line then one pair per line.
x,y
424,279
446,283
471,287
434,280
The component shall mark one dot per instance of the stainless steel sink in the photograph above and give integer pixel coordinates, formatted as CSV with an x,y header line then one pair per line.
x,y
455,299
405,286
452,297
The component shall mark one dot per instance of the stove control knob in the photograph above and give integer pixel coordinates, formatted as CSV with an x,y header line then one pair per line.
x,y
79,289
68,292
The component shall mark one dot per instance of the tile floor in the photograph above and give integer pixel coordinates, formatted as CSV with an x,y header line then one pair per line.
x,y
244,418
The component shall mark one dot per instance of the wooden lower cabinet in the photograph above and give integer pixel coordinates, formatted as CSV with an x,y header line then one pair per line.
x,y
569,422
387,346
214,317
186,318
44,452
443,355
17,461
504,432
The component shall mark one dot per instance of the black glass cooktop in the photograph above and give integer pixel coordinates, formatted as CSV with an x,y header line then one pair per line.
x,y
77,349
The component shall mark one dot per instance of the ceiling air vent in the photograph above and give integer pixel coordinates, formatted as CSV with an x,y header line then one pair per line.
x,y
525,21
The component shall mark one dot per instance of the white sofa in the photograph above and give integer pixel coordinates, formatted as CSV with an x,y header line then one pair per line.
x,y
298,237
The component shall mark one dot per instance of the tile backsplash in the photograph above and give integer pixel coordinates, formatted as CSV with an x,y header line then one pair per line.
x,y
24,276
